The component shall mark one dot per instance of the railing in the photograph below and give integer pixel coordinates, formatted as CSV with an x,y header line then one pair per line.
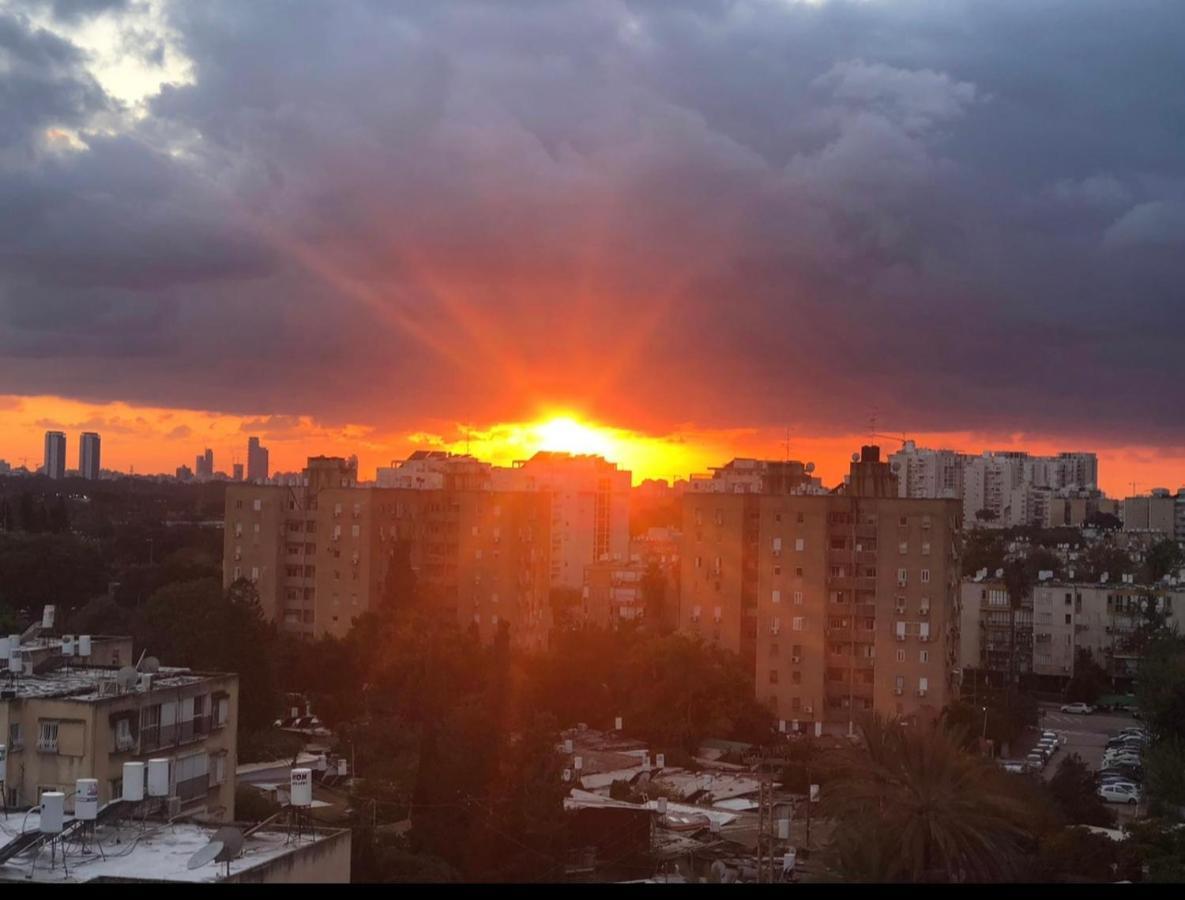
x,y
193,788
149,738
124,742
47,746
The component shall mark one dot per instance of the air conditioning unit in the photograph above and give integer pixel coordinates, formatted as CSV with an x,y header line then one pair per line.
x,y
900,637
921,692
900,610
924,611
902,584
795,659
898,691
808,709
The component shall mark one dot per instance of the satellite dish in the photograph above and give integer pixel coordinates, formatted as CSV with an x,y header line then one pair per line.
x,y
231,840
127,677
207,854
810,467
151,665
855,457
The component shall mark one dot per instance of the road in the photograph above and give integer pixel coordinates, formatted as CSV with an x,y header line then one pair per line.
x,y
1087,736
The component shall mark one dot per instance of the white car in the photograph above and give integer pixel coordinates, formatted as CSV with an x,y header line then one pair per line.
x,y
1052,736
1117,793
1048,745
1036,760
1078,709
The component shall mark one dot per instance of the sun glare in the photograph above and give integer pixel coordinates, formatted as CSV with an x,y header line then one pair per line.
x,y
564,434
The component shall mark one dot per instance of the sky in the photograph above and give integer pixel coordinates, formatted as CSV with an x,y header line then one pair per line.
x,y
702,228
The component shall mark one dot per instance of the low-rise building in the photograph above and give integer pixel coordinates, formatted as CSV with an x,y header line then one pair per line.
x,y
68,721
1058,619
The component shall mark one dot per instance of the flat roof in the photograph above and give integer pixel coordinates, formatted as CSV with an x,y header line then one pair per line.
x,y
81,683
151,851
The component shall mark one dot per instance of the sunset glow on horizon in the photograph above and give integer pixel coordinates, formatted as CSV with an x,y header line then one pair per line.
x,y
155,440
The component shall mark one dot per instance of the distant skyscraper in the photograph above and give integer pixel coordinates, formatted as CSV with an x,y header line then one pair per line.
x,y
88,455
205,464
238,471
55,454
257,465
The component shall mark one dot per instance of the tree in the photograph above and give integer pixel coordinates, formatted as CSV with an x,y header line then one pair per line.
x,y
911,805
1163,558
1164,765
1077,855
1103,521
1090,679
1073,787
985,515
1160,687
1018,581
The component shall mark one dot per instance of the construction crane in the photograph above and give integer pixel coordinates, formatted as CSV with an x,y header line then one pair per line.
x,y
903,440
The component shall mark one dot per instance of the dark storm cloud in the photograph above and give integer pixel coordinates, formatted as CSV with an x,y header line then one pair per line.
x,y
967,215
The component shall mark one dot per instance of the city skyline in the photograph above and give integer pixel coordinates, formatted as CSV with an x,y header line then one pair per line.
x,y
876,211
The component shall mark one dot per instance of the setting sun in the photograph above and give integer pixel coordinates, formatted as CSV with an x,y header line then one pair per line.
x,y
566,435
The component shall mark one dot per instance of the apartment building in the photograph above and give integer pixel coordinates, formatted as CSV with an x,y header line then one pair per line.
x,y
758,476
319,553
1158,512
840,603
64,722
589,500
998,488
1056,621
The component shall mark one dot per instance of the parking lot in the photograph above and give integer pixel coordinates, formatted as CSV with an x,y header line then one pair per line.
x,y
1087,736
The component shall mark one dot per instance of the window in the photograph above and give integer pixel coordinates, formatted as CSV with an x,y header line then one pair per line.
x,y
903,521
900,655
773,676
900,631
217,769
356,530
695,610
798,623
799,544
777,597
899,684
902,577
258,505
255,573
16,740
124,740
799,519
903,547
924,656
923,686
777,570
924,631
798,598
777,545
925,548
47,736
796,677
798,572
1067,618
925,576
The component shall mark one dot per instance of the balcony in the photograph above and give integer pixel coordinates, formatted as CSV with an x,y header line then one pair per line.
x,y
193,788
851,583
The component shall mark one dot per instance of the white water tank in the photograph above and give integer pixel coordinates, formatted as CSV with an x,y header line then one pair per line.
x,y
158,777
86,799
67,645
578,763
47,618
301,786
661,760
84,645
133,781
646,760
617,724
146,683
783,829
53,812
343,767
568,746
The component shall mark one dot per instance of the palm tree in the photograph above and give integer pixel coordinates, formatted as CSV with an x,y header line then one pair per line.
x,y
909,804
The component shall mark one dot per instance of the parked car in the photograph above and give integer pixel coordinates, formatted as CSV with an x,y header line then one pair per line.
x,y
1013,767
1124,754
1134,729
1119,782
1051,743
1078,709
1113,793
1036,760
1053,735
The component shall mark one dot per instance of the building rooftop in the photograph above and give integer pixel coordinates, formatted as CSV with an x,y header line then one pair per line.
x,y
83,683
148,851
